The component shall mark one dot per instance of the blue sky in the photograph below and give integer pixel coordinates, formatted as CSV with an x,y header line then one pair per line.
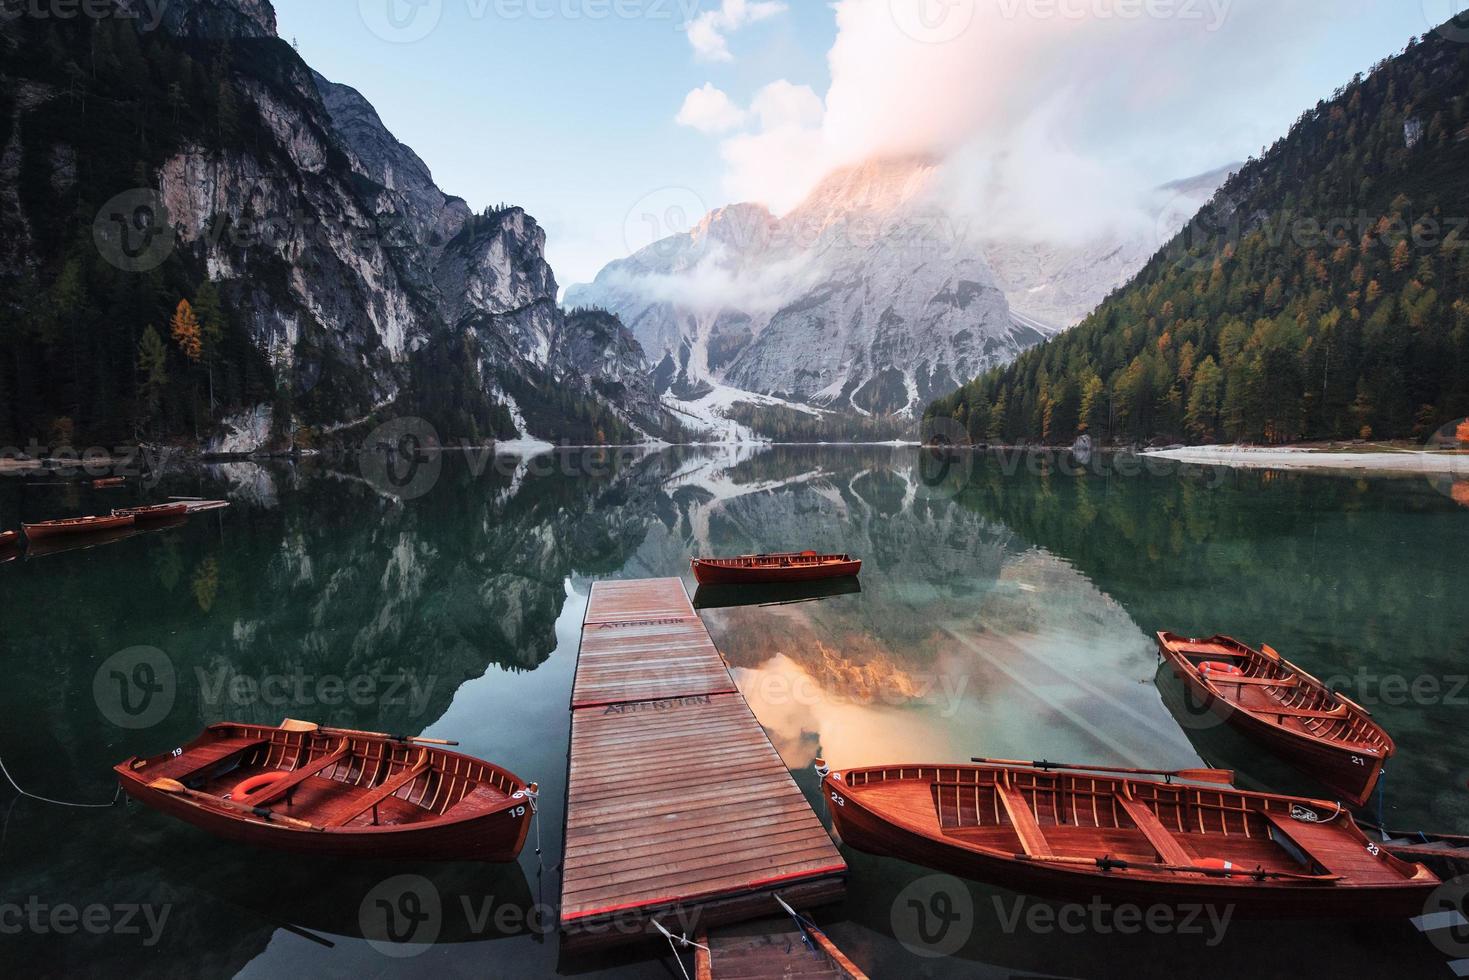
x,y
570,110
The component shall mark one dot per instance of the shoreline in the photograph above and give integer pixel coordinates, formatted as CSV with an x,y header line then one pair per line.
x,y
1422,462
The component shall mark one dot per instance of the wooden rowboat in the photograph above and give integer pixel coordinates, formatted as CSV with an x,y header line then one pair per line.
x,y
108,482
306,789
807,954
1323,733
75,525
808,566
1446,855
156,512
1076,834
9,539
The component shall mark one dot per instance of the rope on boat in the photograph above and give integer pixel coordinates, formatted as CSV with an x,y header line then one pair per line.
x,y
535,812
802,923
45,799
674,942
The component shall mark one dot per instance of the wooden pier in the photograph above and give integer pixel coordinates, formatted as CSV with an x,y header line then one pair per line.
x,y
678,808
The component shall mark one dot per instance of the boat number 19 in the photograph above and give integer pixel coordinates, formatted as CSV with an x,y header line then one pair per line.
x,y
837,799
518,811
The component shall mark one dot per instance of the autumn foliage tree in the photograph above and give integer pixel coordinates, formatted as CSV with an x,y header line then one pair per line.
x,y
186,331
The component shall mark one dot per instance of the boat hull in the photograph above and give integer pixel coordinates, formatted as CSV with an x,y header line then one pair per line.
x,y
865,829
151,515
771,572
9,539
491,837
359,795
60,529
1351,770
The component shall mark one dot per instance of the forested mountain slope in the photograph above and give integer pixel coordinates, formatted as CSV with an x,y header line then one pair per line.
x,y
1323,293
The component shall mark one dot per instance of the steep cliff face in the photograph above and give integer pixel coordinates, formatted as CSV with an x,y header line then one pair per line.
x,y
336,282
866,298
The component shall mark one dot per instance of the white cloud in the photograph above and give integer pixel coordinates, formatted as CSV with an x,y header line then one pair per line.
x,y
708,32
710,110
1063,116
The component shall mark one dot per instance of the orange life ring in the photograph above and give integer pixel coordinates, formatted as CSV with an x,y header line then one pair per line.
x,y
1214,667
247,786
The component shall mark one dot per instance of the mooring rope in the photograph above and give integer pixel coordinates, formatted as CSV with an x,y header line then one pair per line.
x,y
45,799
674,942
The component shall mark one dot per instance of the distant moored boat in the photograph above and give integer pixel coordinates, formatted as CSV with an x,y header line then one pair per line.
x,y
806,566
75,525
156,512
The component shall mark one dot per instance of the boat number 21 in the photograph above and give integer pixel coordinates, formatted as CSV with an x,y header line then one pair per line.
x,y
1357,760
837,799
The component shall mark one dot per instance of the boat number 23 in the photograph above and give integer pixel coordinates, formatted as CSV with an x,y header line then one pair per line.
x,y
1373,849
837,799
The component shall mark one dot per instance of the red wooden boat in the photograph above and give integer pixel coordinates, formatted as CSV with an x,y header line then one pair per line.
x,y
337,793
807,566
75,525
807,954
108,482
1076,834
1329,737
1446,855
156,512
9,539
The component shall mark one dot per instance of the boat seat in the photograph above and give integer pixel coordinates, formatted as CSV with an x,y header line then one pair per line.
x,y
1255,681
195,761
1032,838
1169,848
357,806
276,791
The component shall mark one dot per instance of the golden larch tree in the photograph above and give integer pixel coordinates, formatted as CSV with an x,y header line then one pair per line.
x,y
186,331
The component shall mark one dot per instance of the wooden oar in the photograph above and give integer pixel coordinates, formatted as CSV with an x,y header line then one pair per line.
x,y
176,788
292,725
1109,864
1223,777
